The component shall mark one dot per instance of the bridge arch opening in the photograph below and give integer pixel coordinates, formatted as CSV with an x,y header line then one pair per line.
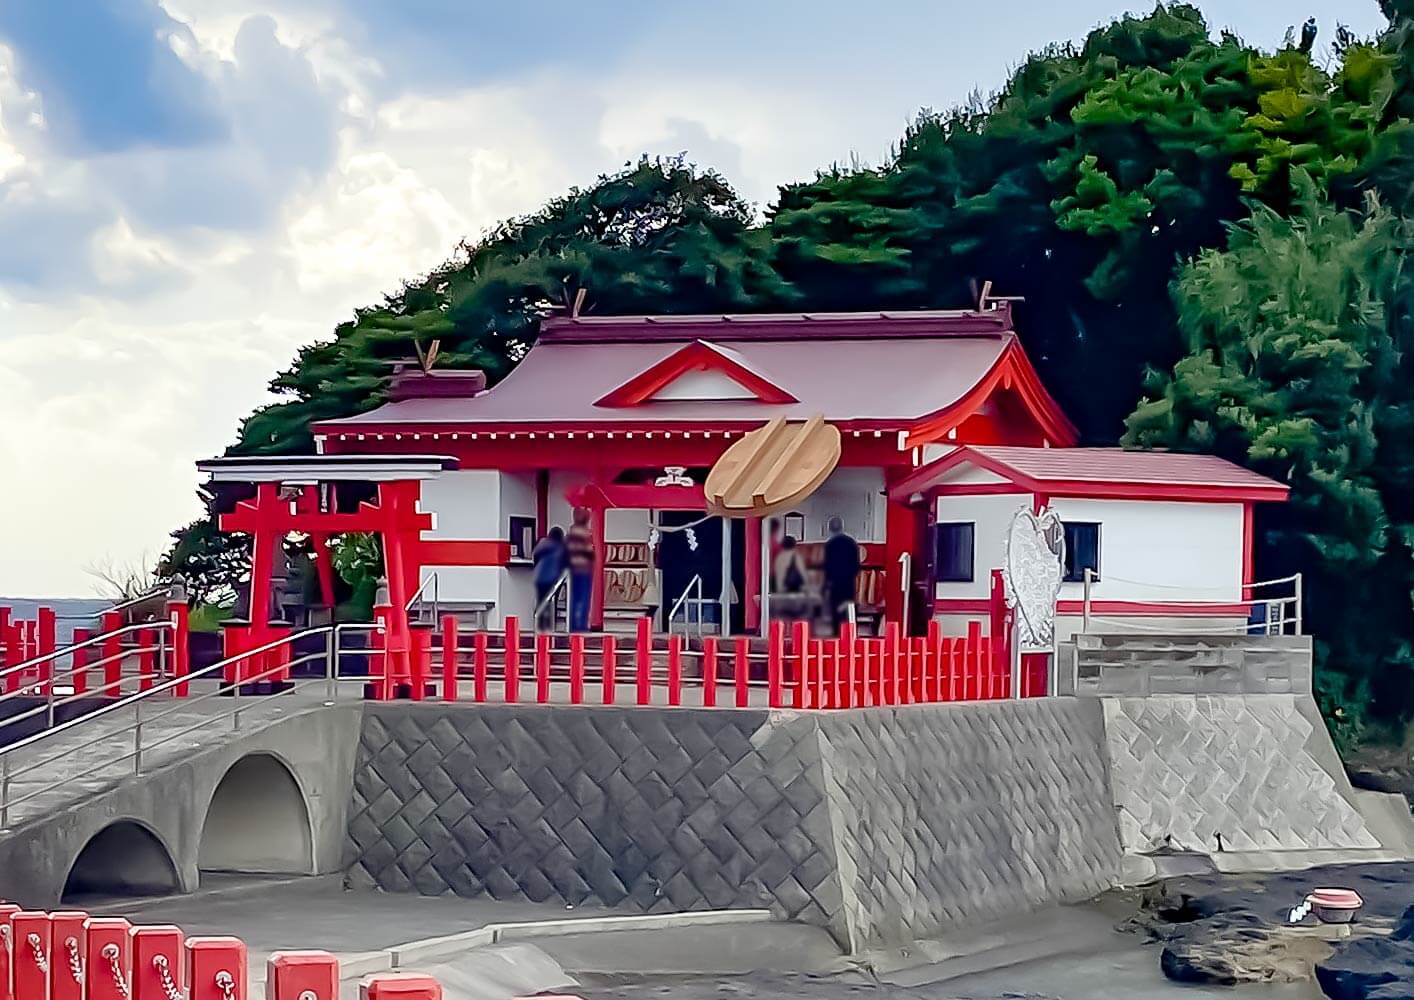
x,y
257,822
123,859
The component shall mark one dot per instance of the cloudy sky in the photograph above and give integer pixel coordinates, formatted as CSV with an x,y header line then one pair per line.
x,y
190,189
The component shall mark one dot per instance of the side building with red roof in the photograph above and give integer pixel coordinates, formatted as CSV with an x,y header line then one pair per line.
x,y
946,431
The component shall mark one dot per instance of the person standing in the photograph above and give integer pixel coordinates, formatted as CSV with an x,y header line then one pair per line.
x,y
841,572
549,558
579,552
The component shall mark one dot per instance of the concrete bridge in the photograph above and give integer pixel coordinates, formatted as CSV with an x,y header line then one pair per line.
x,y
268,792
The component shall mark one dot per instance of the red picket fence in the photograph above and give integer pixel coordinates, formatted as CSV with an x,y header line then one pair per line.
x,y
69,955
794,669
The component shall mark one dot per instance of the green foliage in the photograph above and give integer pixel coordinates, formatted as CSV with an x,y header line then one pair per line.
x,y
212,563
1293,368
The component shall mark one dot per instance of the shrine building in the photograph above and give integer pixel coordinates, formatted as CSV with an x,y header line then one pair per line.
x,y
945,432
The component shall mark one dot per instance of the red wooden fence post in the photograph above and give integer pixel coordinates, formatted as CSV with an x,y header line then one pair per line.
x,y
644,656
512,659
893,686
79,673
973,661
449,657
800,682
848,667
709,672
542,668
302,975
380,667
480,668
107,959
70,940
179,614
216,968
577,669
775,662
157,962
399,986
419,660
31,952
674,670
14,654
46,629
610,668
146,658
743,672
7,913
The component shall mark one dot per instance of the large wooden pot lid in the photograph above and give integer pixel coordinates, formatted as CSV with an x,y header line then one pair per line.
x,y
773,468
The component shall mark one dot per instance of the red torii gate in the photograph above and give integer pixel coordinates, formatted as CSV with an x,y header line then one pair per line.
x,y
276,511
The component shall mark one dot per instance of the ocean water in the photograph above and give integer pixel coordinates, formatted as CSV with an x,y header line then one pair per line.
x,y
72,612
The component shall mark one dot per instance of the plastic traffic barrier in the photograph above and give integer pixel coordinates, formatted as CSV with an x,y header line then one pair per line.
x,y
107,958
31,940
216,968
302,975
157,962
69,939
399,986
7,911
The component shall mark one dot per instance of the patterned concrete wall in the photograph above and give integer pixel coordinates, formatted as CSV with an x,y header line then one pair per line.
x,y
1189,768
882,825
1132,665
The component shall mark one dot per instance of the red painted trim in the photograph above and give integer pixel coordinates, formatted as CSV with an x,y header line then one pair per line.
x,y
461,552
598,496
981,605
1248,540
924,480
979,490
1012,371
697,356
1039,501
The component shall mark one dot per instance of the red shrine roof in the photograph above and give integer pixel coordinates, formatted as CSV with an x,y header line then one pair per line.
x,y
881,370
1112,472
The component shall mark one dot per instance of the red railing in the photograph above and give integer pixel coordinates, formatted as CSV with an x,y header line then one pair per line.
x,y
69,955
791,669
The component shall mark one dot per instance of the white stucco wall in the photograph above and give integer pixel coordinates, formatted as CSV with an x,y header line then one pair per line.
x,y
856,495
990,516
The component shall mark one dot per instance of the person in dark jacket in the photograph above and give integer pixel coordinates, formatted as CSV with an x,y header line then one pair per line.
x,y
841,573
550,563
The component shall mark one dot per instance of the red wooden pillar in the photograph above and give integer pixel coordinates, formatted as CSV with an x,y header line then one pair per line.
x,y
46,634
146,658
901,528
542,668
14,656
449,658
709,672
7,913
157,962
644,655
324,566
512,659
70,941
751,606
610,666
743,672
79,668
179,614
302,975
107,959
577,668
31,953
5,613
973,662
216,968
419,660
999,627
480,665
674,670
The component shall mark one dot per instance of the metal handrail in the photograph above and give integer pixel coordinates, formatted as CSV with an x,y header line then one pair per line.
x,y
694,583
562,582
35,661
136,701
417,594
1216,605
51,703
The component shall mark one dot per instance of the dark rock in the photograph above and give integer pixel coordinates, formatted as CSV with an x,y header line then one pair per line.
x,y
1376,781
1369,968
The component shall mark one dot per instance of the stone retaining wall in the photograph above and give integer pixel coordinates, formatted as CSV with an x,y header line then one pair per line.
x,y
1133,665
883,825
